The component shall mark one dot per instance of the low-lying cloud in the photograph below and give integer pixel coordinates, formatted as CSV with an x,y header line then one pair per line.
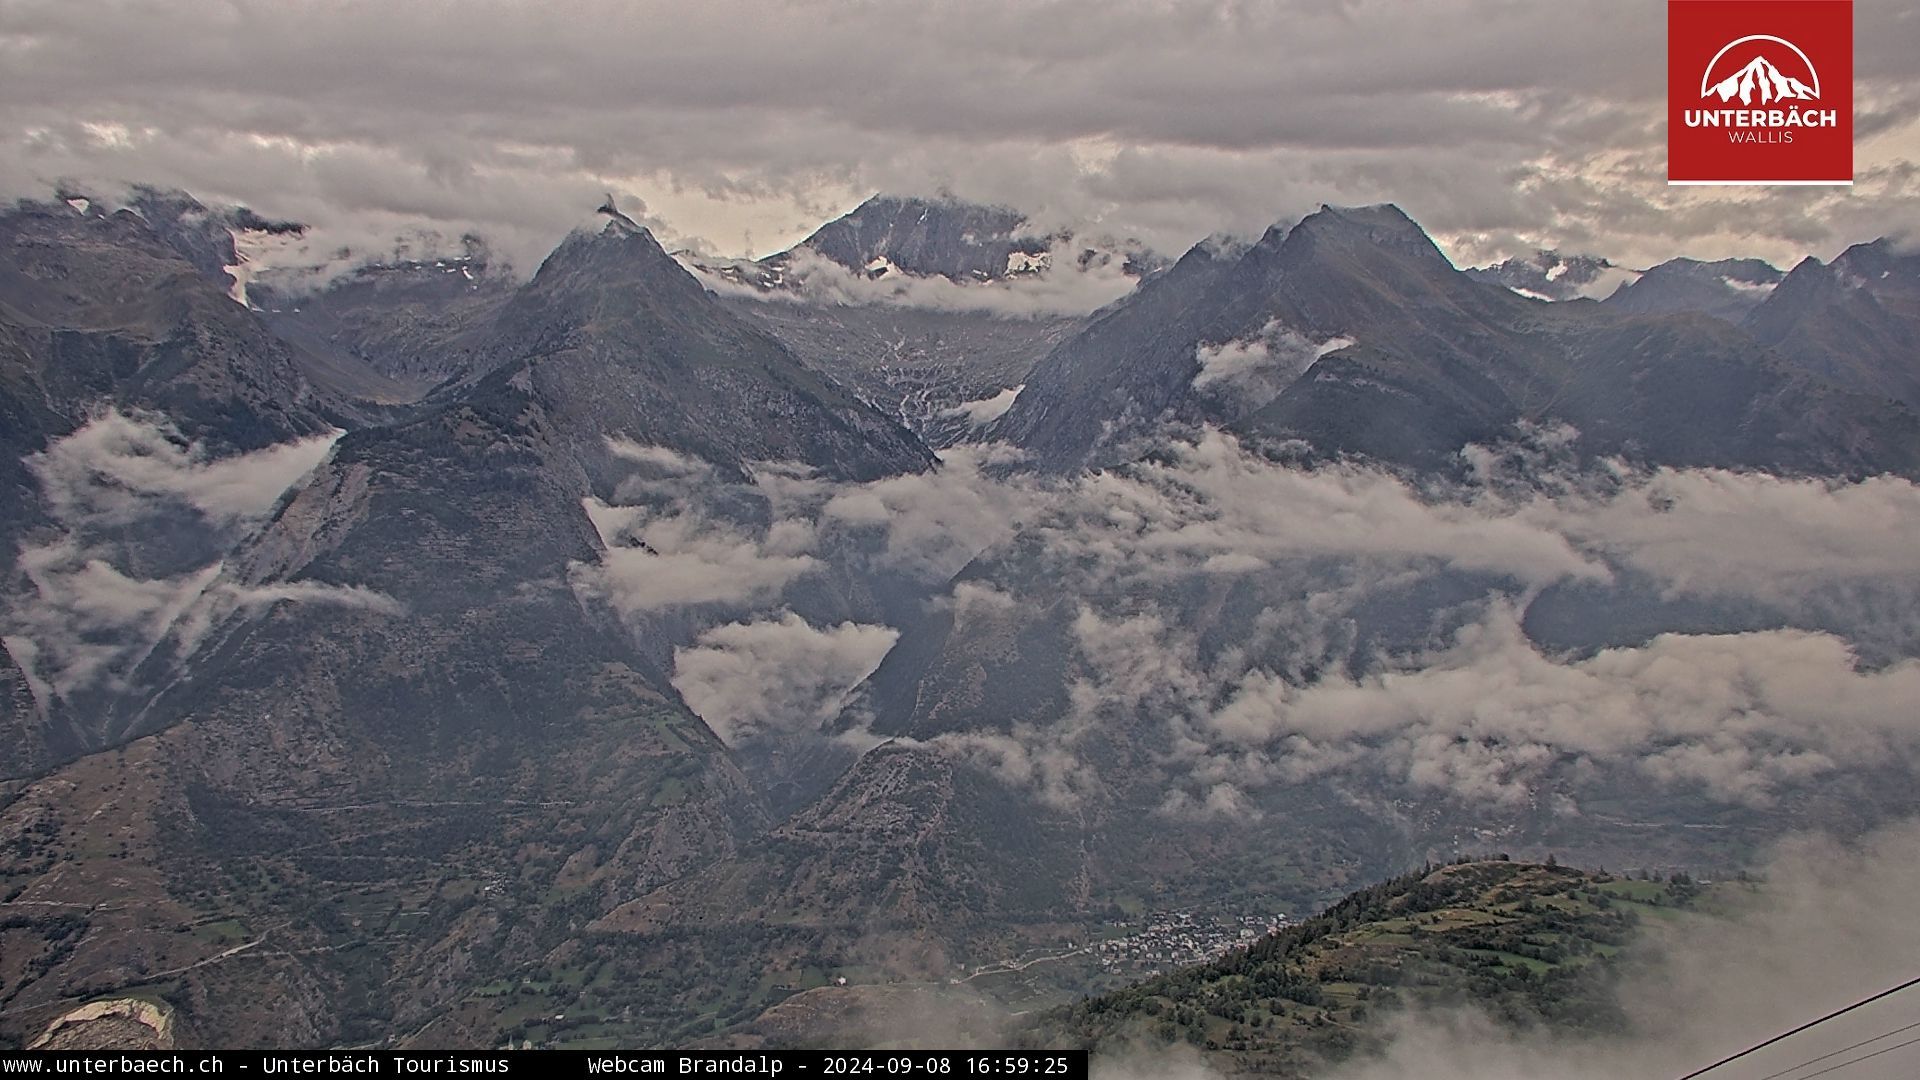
x,y
1489,717
1294,688
776,676
86,618
980,413
1253,371
658,561
1713,532
1066,287
117,466
1212,506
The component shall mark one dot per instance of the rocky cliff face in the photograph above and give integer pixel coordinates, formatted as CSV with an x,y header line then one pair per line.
x,y
616,338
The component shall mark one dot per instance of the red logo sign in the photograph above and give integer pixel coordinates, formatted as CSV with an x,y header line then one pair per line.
x,y
1760,91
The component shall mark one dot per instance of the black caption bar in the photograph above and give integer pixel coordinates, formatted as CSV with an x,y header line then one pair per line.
x,y
1055,1065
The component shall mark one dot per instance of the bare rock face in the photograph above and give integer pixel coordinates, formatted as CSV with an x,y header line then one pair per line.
x,y
613,337
114,1024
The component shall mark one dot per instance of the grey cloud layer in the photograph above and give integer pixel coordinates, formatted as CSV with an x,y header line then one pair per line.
x,y
1498,124
115,468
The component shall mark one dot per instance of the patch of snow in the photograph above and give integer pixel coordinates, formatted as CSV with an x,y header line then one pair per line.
x,y
879,266
1529,293
979,414
1555,271
80,204
256,252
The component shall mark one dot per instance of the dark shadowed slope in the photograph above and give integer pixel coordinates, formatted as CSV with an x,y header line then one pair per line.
x,y
619,339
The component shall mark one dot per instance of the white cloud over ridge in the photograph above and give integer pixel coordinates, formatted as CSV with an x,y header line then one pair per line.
x,y
1213,506
1824,930
117,466
676,559
1255,370
980,413
84,620
1737,715
1065,288
1717,532
1489,718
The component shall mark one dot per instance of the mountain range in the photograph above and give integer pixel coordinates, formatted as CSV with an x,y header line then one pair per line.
x,y
1386,351
880,297
424,655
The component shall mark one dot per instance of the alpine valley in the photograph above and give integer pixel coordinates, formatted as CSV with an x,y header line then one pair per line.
x,y
923,635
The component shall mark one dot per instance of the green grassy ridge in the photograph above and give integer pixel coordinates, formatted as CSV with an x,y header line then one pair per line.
x,y
1526,943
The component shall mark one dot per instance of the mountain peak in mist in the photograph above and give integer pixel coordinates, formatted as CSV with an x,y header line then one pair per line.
x,y
1379,225
944,237
1546,274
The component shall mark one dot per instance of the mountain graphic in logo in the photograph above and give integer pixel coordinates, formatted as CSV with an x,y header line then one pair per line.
x,y
1760,81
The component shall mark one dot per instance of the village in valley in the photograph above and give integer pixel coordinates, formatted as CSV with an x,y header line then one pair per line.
x,y
1176,938
1145,946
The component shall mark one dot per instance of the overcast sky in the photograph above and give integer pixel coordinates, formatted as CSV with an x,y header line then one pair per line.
x,y
739,125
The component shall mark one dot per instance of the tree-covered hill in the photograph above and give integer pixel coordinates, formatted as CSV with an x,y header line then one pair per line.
x,y
1527,944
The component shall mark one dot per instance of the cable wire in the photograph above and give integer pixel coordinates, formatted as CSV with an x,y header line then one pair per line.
x,y
1842,1050
1858,1060
1811,1023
